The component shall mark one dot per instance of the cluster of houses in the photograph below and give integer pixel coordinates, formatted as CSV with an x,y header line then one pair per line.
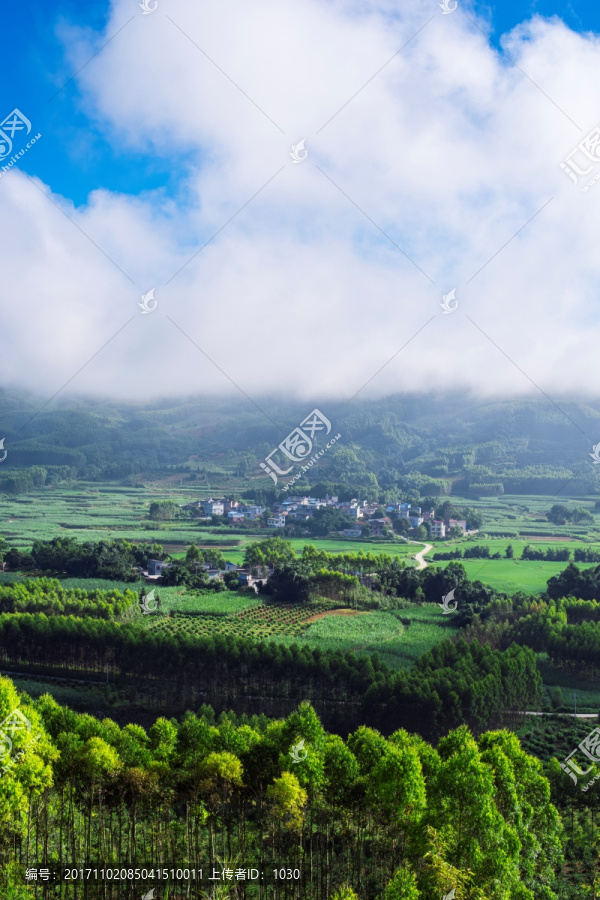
x,y
301,509
156,567
236,512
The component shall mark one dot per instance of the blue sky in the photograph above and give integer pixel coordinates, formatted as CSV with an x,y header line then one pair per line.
x,y
78,157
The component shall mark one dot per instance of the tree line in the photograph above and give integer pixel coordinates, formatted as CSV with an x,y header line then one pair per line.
x,y
564,622
114,560
363,817
550,554
47,595
453,684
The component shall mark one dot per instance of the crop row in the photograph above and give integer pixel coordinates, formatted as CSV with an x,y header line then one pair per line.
x,y
257,621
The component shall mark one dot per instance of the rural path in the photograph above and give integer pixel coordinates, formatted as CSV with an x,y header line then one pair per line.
x,y
419,556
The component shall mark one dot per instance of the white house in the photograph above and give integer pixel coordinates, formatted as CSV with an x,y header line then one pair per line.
x,y
355,512
276,522
214,507
214,574
438,529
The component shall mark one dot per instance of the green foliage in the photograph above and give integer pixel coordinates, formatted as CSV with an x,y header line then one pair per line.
x,y
450,685
413,819
288,584
561,514
575,583
551,554
403,886
327,519
161,510
46,595
105,559
274,551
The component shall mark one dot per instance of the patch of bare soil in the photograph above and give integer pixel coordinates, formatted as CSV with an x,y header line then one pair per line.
x,y
333,612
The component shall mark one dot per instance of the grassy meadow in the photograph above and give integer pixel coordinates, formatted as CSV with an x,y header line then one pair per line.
x,y
399,636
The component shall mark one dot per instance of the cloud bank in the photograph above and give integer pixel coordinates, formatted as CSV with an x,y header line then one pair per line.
x,y
433,164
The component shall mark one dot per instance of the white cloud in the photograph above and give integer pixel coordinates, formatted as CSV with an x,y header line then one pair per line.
x,y
450,149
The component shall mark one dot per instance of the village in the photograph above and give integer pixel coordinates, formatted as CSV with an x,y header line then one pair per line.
x,y
366,517
364,514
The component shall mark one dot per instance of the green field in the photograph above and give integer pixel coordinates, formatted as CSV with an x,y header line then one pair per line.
x,y
398,644
399,636
92,511
512,514
209,602
511,575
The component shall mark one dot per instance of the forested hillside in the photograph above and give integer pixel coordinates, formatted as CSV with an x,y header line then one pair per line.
x,y
429,444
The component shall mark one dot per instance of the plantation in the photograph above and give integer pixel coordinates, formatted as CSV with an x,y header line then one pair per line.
x,y
398,636
49,596
258,620
201,792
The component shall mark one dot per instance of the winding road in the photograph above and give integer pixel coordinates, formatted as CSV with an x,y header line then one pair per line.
x,y
419,556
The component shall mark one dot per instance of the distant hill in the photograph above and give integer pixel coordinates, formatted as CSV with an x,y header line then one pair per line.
x,y
434,444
